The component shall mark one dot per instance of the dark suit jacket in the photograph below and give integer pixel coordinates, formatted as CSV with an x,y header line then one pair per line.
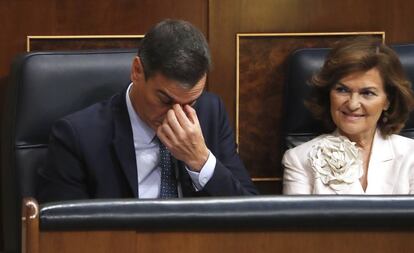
x,y
91,154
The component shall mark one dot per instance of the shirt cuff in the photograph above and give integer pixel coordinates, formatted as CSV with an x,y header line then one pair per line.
x,y
200,179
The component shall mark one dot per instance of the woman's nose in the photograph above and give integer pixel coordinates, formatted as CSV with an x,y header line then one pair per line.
x,y
354,102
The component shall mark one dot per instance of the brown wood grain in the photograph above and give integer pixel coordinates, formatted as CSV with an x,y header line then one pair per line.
x,y
276,241
228,241
30,226
61,44
88,241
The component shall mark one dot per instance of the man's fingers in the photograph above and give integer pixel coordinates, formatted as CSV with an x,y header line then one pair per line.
x,y
166,134
191,114
172,121
182,117
163,138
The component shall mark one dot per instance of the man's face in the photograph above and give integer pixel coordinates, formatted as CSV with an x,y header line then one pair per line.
x,y
152,98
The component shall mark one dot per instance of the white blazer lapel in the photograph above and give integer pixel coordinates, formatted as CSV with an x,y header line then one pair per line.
x,y
381,169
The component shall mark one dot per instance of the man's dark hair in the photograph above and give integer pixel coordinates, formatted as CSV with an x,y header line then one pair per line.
x,y
176,49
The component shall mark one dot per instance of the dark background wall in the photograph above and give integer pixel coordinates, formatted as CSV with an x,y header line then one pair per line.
x,y
220,20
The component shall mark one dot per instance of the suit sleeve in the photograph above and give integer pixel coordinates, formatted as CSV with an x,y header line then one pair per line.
x,y
63,177
230,177
297,178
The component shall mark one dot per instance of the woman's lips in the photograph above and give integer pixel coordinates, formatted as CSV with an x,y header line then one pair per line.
x,y
353,116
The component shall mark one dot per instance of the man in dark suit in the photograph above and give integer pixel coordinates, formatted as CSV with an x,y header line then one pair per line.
x,y
120,148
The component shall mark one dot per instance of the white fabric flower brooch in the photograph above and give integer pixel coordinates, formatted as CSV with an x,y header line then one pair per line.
x,y
336,161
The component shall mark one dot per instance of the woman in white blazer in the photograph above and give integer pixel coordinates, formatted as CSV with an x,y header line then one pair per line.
x,y
364,99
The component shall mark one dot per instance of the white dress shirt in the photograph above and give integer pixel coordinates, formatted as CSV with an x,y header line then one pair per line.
x,y
147,158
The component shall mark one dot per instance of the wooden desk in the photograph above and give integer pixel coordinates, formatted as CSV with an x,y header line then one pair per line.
x,y
268,239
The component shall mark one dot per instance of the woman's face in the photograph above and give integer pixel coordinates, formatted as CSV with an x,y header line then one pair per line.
x,y
357,102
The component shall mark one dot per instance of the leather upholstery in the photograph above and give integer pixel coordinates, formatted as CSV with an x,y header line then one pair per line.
x,y
299,125
406,54
46,86
236,213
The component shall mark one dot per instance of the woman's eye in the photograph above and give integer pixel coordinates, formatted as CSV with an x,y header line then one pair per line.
x,y
340,89
368,93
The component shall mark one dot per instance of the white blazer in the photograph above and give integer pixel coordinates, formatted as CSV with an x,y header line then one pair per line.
x,y
390,170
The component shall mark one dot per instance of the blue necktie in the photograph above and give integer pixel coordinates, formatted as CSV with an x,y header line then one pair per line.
x,y
168,180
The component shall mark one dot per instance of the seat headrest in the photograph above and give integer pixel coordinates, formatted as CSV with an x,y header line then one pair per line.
x,y
50,85
406,55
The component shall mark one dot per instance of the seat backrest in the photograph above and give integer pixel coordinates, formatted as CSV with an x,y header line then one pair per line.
x,y
44,87
406,55
299,125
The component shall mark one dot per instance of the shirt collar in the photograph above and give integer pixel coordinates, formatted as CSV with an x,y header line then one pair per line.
x,y
141,131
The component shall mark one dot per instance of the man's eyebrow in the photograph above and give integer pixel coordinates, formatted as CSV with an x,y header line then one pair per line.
x,y
172,100
163,93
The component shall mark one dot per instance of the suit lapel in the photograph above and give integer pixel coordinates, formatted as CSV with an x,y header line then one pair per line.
x,y
381,172
123,142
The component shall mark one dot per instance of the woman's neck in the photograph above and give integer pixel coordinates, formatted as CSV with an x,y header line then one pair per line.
x,y
362,140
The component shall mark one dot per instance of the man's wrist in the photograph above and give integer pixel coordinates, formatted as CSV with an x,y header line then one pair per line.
x,y
199,163
200,179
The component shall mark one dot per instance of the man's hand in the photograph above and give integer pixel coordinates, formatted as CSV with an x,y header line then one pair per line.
x,y
181,134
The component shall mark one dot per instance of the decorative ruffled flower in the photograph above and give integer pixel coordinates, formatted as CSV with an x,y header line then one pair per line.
x,y
336,161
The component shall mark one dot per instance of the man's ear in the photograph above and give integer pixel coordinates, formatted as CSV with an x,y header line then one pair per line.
x,y
137,71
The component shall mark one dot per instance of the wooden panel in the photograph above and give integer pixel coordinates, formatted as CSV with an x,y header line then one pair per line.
x,y
77,17
277,241
54,43
229,241
88,241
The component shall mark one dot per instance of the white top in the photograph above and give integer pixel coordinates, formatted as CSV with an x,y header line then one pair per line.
x,y
390,170
147,158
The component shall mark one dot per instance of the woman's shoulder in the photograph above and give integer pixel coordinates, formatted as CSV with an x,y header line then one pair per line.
x,y
402,143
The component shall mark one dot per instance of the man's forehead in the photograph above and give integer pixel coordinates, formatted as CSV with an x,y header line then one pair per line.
x,y
176,89
181,95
